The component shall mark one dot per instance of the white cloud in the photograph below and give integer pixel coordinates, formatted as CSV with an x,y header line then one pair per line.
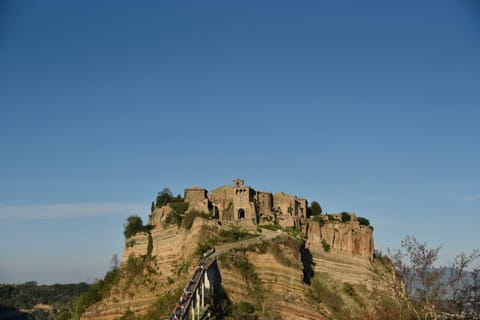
x,y
67,210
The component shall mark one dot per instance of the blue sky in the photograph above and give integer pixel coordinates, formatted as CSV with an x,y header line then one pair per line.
x,y
369,107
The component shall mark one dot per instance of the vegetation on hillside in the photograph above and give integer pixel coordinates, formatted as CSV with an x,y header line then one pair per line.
x,y
165,197
39,302
133,226
446,292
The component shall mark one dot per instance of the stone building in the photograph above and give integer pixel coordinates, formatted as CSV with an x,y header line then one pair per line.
x,y
241,202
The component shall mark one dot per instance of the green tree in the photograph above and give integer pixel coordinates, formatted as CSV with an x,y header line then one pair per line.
x,y
152,207
315,209
165,196
346,217
134,225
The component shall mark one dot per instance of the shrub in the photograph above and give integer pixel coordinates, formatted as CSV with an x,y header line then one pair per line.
x,y
325,245
165,303
242,310
330,217
319,292
163,197
363,221
188,218
315,209
134,225
346,217
97,291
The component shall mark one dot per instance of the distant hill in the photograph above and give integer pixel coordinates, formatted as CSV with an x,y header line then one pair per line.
x,y
32,301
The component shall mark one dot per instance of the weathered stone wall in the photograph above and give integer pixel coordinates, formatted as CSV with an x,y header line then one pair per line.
x,y
265,204
284,202
197,199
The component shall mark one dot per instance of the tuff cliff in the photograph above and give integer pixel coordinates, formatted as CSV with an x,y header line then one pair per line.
x,y
347,237
323,270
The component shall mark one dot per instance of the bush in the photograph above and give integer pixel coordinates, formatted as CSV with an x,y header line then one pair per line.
x,y
164,305
319,292
176,217
346,217
330,217
242,310
179,207
133,226
188,218
363,221
325,245
163,197
315,209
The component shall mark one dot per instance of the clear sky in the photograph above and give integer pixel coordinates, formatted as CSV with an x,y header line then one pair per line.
x,y
371,107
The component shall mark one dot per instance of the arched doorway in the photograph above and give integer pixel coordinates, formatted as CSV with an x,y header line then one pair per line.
x,y
241,214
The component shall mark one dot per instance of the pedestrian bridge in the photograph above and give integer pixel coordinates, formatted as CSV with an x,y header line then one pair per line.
x,y
198,290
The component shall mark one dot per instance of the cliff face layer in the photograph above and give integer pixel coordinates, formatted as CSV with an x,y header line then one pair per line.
x,y
347,237
325,272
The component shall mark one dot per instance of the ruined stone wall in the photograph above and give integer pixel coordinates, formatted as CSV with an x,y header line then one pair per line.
x,y
265,204
284,203
222,199
197,199
301,207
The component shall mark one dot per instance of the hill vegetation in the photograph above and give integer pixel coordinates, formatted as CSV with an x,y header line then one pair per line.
x,y
38,302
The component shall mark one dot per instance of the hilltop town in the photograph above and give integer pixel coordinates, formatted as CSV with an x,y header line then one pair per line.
x,y
239,202
265,250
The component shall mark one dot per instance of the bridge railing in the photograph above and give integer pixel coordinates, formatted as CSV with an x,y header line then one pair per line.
x,y
183,305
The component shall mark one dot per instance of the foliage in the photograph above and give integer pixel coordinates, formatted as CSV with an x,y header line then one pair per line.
x,y
176,217
325,245
25,296
330,217
173,218
246,269
315,209
97,291
212,237
415,263
363,221
165,197
383,259
164,304
320,292
179,207
350,291
346,217
189,217
243,310
223,236
133,226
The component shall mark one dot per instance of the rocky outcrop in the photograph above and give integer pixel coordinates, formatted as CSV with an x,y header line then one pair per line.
x,y
275,281
347,237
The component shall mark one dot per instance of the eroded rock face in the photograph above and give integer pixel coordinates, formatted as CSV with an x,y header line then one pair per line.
x,y
281,281
348,237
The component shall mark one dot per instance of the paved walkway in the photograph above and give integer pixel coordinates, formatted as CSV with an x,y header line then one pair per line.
x,y
186,298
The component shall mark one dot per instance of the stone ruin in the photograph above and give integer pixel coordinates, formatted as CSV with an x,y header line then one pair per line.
x,y
240,202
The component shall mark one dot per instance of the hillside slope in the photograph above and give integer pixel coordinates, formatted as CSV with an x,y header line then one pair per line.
x,y
325,271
